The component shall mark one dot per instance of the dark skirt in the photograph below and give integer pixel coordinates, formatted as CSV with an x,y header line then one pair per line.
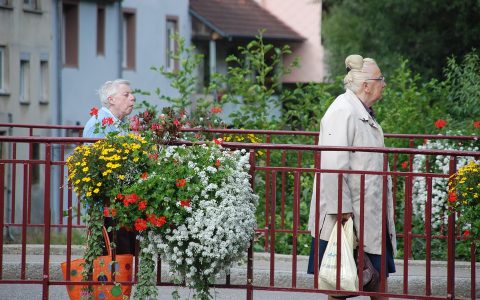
x,y
374,258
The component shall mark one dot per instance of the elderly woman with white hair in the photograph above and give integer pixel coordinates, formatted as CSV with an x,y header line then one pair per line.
x,y
350,121
117,102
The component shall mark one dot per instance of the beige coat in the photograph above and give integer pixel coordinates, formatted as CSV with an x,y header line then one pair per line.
x,y
347,123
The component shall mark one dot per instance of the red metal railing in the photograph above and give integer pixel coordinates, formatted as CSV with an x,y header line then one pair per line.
x,y
283,176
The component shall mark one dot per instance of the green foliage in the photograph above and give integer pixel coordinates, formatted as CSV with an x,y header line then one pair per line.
x,y
408,105
462,88
424,32
253,81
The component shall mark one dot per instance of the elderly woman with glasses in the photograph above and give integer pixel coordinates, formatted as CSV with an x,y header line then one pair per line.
x,y
350,121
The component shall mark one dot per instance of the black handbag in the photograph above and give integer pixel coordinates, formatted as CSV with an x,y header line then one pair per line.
x,y
371,278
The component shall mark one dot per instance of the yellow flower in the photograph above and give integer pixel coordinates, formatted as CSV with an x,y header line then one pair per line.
x,y
86,179
88,194
121,177
85,169
135,159
96,190
99,184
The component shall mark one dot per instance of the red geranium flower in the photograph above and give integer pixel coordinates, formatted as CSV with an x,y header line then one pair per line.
x,y
440,123
216,109
130,199
452,197
142,205
405,164
217,141
140,224
217,163
113,212
119,196
106,212
94,111
144,175
476,124
176,123
180,182
185,203
153,156
466,232
107,121
156,221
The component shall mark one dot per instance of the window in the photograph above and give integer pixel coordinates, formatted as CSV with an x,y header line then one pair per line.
x,y
24,81
129,39
31,4
2,69
4,3
44,82
70,34
100,30
171,45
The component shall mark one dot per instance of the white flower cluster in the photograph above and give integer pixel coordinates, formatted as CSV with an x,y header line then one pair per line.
x,y
440,165
220,227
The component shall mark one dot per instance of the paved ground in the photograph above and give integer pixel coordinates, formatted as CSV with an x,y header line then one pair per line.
x,y
282,277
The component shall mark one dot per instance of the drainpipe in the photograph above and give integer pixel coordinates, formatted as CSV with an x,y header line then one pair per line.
x,y
120,40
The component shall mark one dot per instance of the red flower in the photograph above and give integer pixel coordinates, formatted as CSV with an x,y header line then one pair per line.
x,y
145,114
144,175
476,124
156,126
153,156
176,123
217,163
185,203
113,211
130,199
466,232
405,164
180,182
156,221
135,124
452,197
107,121
119,196
142,205
217,141
216,109
106,212
140,224
440,123
94,111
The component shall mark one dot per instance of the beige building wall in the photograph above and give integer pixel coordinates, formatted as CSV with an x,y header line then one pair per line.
x,y
26,39
303,16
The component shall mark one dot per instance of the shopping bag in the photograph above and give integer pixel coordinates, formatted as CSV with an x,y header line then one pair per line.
x,y
327,275
123,267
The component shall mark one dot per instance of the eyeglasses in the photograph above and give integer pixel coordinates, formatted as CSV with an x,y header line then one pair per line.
x,y
381,78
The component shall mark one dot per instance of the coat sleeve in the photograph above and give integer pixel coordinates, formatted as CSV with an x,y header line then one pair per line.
x,y
337,129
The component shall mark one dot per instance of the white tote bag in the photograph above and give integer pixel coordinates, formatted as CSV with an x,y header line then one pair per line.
x,y
327,276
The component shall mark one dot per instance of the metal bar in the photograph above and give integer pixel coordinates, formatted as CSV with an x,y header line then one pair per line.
x,y
2,220
249,288
47,221
384,230
316,257
361,240
284,178
339,230
473,289
14,181
451,242
272,230
61,187
428,234
267,196
24,223
296,213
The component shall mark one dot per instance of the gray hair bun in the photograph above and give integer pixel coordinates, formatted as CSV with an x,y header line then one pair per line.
x,y
354,62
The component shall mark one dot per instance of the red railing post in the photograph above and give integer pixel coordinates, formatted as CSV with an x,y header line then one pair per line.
x,y
2,220
272,229
250,249
451,241
47,222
